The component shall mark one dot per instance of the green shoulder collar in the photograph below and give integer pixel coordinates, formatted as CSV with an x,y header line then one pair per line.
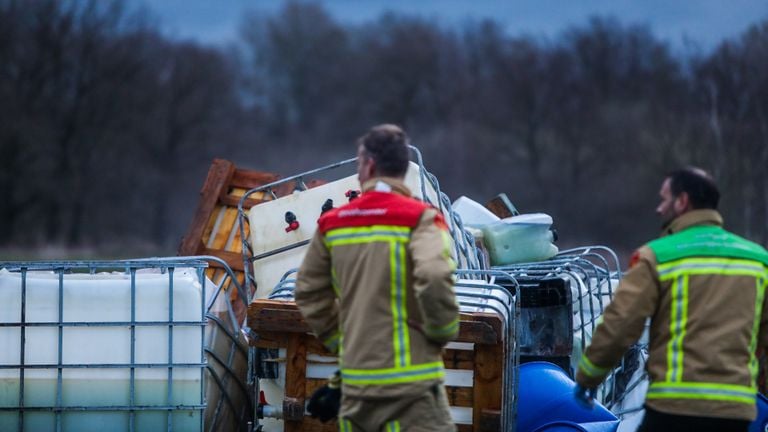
x,y
706,241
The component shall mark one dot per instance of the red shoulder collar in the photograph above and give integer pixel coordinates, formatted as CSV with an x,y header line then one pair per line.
x,y
374,208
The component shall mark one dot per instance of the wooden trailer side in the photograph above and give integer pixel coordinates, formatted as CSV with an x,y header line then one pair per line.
x,y
279,324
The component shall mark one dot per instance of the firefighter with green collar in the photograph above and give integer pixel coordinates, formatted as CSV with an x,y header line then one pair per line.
x,y
703,289
376,287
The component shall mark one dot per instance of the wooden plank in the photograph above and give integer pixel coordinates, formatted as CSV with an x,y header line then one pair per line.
x,y
268,319
217,213
234,201
487,381
234,260
494,320
271,340
477,332
459,396
277,320
248,179
236,244
219,175
273,315
223,230
464,428
314,346
295,380
458,359
314,425
490,421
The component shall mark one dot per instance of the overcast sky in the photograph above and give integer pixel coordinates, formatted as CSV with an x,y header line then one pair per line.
x,y
703,23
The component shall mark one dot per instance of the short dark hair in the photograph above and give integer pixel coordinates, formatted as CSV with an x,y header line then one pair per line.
x,y
387,145
698,184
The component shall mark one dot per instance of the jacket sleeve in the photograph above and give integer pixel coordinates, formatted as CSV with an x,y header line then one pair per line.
x,y
763,332
433,267
623,320
315,295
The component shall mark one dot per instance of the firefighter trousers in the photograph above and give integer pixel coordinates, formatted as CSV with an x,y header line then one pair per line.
x,y
428,412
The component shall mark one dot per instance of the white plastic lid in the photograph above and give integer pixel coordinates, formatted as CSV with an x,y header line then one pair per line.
x,y
472,212
530,218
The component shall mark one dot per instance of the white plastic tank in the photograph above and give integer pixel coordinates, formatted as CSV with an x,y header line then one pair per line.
x,y
100,302
522,238
472,212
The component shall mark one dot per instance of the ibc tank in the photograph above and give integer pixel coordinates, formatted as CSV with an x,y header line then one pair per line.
x,y
87,370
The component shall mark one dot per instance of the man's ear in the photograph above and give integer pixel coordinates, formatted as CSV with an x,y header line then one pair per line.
x,y
371,168
682,203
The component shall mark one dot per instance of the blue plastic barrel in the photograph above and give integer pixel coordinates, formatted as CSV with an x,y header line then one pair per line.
x,y
761,422
546,401
566,426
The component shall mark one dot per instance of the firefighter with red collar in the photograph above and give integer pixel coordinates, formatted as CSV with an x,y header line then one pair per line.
x,y
703,289
376,287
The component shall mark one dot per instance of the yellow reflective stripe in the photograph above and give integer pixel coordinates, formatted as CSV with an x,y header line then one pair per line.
x,y
400,336
402,270
396,300
367,234
760,286
677,323
393,426
332,342
721,266
364,239
399,229
442,331
702,391
345,425
335,283
447,247
394,375
590,369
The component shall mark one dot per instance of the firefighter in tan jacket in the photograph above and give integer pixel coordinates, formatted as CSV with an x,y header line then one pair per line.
x,y
703,289
376,286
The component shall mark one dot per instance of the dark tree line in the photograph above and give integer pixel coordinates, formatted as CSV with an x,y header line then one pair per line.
x,y
107,126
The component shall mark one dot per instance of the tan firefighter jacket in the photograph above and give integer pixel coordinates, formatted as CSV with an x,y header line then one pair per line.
x,y
703,289
376,286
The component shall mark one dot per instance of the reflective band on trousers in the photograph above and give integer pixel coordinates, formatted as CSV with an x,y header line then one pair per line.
x,y
397,237
397,375
702,391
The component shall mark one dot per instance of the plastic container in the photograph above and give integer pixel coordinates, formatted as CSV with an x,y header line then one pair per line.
x,y
96,301
566,426
472,212
546,400
523,238
761,422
